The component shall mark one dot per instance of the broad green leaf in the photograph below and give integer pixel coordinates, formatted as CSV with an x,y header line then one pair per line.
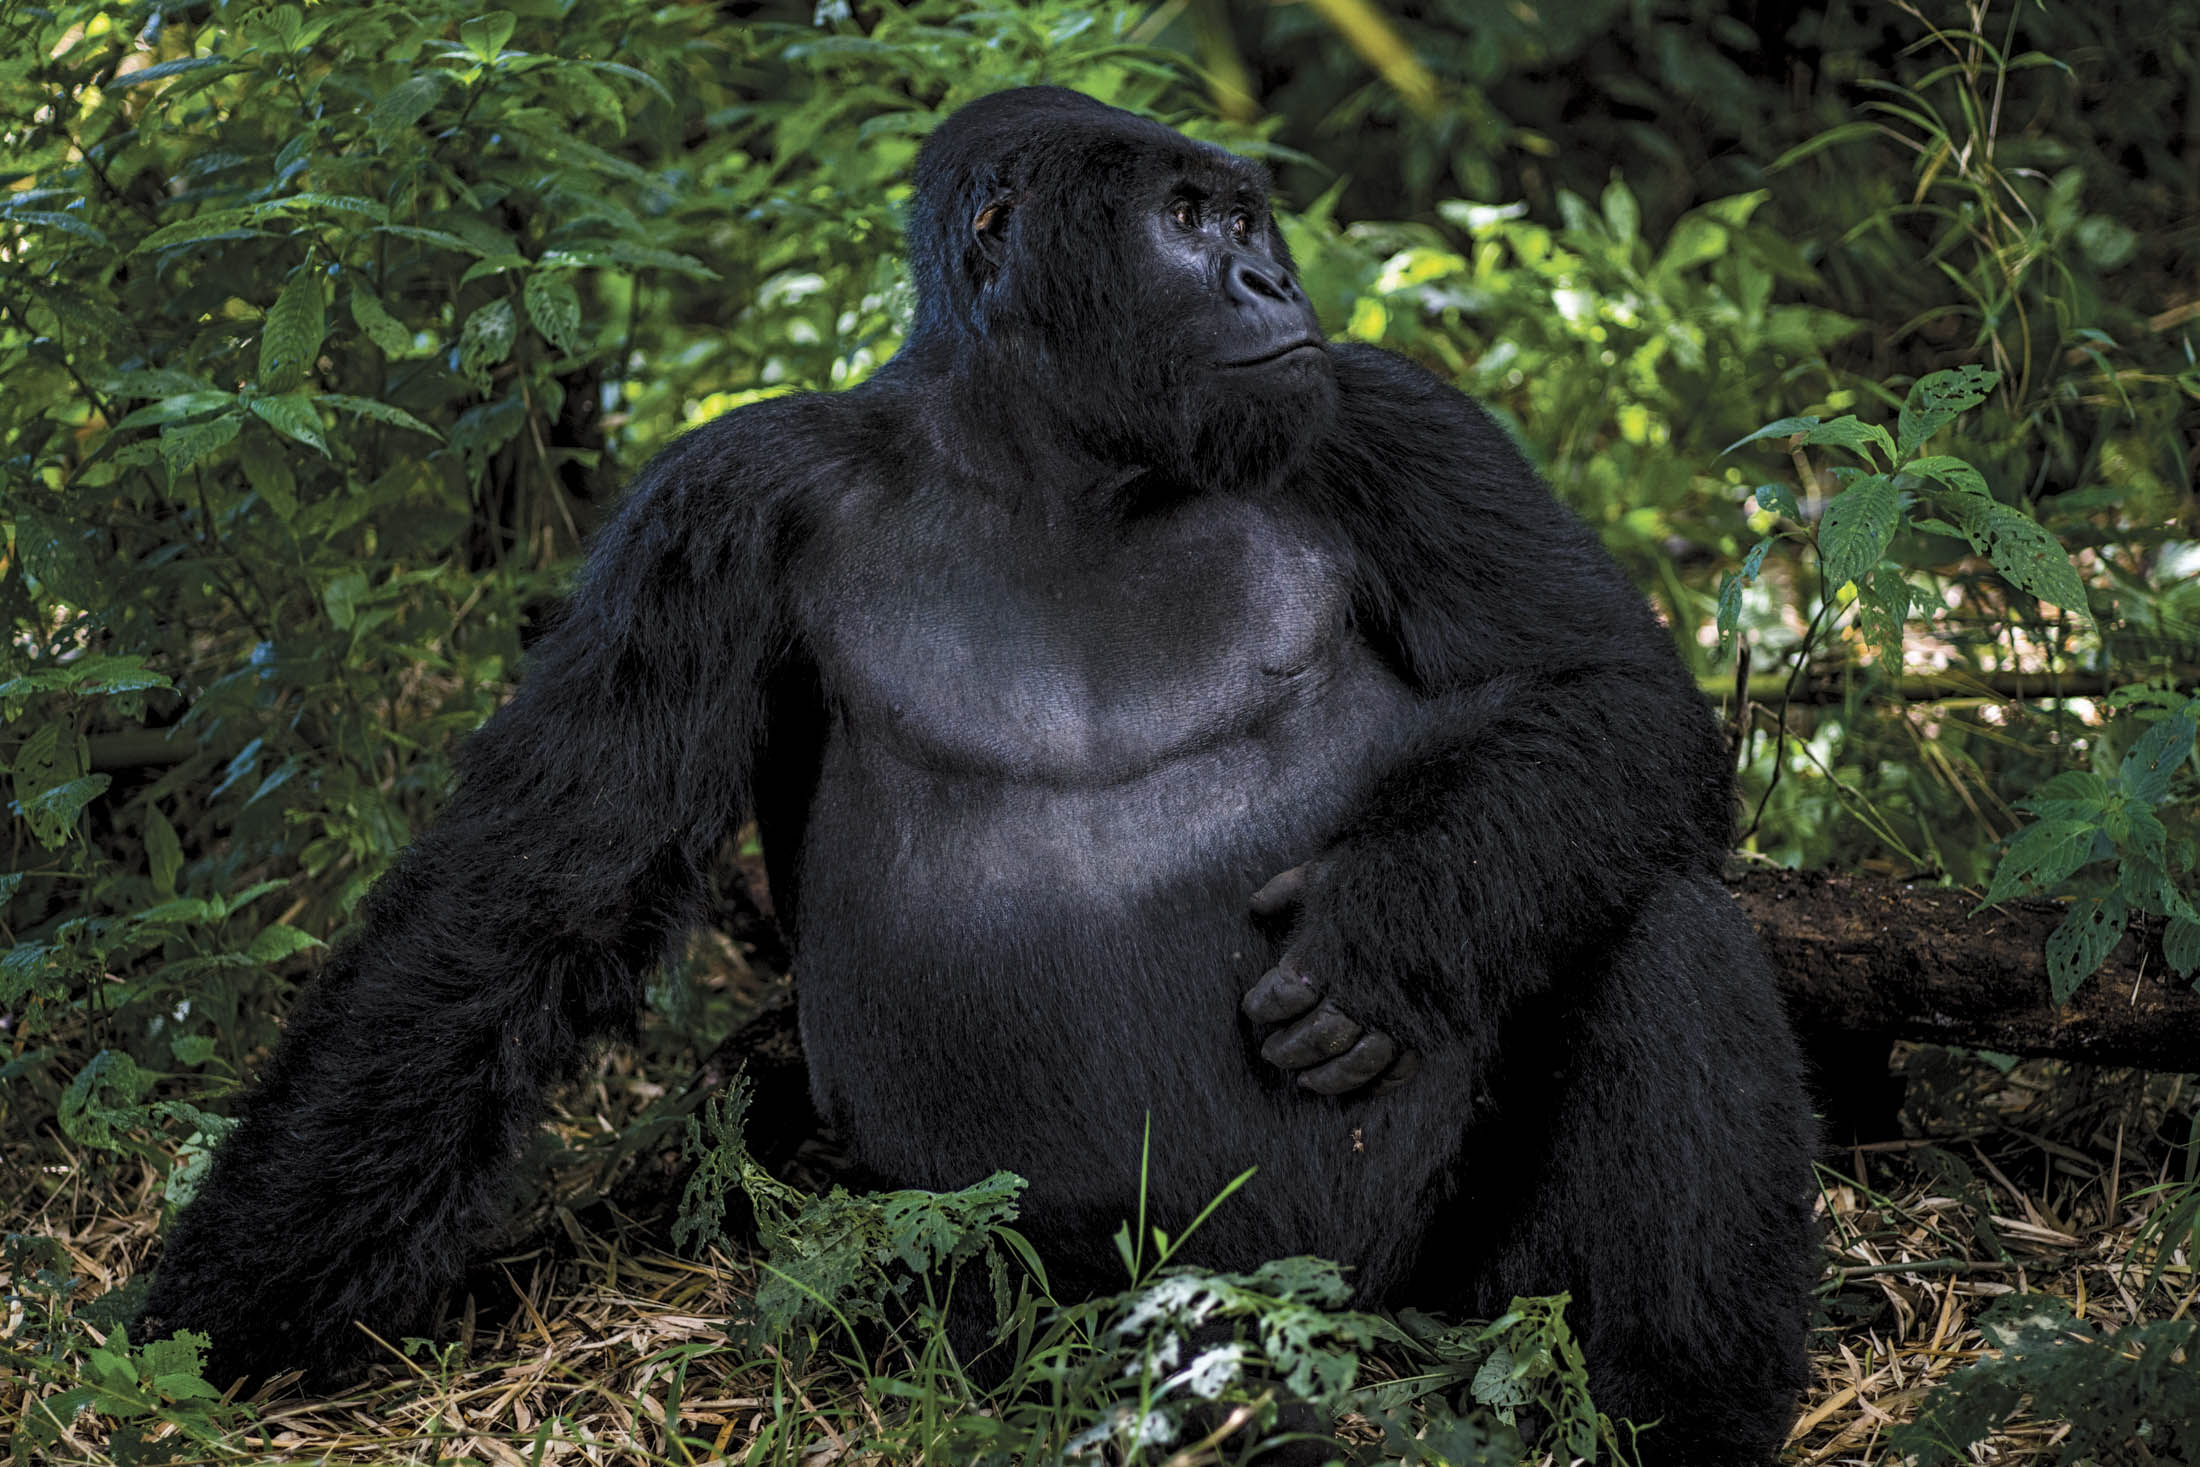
x,y
1859,522
1780,500
1936,399
90,675
170,409
379,326
267,470
291,414
163,851
379,411
2077,948
406,103
2153,760
1953,473
2074,794
495,265
291,336
66,223
276,942
2181,945
1855,435
554,308
620,253
2041,856
1783,428
2026,555
1622,215
486,340
226,223
1730,608
184,444
1883,609
486,34
441,238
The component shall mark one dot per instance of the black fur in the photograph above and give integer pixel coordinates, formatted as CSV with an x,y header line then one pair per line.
x,y
1035,656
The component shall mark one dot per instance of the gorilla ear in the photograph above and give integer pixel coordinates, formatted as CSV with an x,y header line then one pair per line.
x,y
990,230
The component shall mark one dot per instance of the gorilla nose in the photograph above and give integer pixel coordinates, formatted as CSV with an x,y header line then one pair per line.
x,y
1257,285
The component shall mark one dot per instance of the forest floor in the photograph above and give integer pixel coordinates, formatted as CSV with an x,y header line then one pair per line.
x,y
2038,1179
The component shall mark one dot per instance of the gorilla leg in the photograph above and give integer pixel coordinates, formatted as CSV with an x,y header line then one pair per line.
x,y
1656,1164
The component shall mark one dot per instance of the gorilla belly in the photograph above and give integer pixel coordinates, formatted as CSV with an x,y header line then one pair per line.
x,y
1006,972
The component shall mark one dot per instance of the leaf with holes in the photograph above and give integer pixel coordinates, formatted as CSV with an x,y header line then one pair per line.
x,y
1855,435
2153,760
554,308
1858,524
2027,556
486,340
1883,610
1951,473
2181,945
1780,500
2077,948
1937,399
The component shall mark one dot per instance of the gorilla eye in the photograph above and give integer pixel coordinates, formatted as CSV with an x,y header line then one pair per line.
x,y
1185,213
1241,227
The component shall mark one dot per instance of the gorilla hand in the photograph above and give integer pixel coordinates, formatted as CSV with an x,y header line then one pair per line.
x,y
1331,1052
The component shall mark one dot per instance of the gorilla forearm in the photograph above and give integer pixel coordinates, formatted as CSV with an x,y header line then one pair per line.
x,y
1529,827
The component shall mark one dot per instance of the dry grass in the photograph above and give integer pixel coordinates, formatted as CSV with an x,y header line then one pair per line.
x,y
578,1350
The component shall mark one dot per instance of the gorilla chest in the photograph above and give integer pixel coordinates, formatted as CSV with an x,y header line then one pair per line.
x,y
1035,659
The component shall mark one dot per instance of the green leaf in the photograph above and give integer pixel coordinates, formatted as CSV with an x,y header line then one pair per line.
x,y
1622,215
554,308
377,324
380,412
2026,555
292,415
486,340
223,223
1953,473
1859,523
406,103
2077,948
1884,610
441,238
1935,401
276,942
2181,945
163,70
1855,435
267,470
1783,428
1780,500
2154,758
291,336
184,444
486,34
163,851
2074,794
2041,856
170,409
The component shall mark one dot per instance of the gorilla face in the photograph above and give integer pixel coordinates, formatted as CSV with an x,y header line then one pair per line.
x,y
1126,277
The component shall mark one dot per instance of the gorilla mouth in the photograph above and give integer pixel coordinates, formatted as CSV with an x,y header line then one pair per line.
x,y
1288,349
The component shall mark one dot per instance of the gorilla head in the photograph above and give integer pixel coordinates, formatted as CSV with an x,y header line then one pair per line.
x,y
1120,286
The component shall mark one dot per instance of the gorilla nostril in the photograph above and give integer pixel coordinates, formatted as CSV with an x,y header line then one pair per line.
x,y
1249,284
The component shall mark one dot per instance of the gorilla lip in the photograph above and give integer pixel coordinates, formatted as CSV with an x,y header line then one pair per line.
x,y
1277,355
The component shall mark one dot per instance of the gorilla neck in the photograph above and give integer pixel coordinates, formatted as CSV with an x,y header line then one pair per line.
x,y
1022,422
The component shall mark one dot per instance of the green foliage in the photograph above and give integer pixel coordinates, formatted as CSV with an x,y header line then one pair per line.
x,y
2085,818
2131,1395
138,1392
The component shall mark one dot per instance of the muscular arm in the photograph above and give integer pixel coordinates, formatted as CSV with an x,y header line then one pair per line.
x,y
1565,766
517,930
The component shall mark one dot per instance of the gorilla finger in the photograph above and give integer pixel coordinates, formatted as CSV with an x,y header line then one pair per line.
x,y
1282,993
1354,1068
1283,892
1409,1065
1324,1034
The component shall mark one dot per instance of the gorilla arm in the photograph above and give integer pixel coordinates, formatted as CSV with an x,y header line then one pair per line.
x,y
376,1149
1565,767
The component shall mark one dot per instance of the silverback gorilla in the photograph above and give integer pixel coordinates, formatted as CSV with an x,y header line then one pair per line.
x,y
1148,706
